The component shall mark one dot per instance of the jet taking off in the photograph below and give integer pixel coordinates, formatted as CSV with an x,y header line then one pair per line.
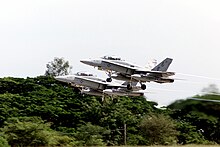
x,y
121,70
89,84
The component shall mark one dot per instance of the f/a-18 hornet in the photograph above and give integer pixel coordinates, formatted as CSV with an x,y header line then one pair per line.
x,y
121,70
90,84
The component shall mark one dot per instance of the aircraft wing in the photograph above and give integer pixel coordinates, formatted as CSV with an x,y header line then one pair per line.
x,y
97,83
122,68
129,66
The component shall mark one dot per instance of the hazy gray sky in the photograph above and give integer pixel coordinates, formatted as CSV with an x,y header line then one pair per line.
x,y
33,32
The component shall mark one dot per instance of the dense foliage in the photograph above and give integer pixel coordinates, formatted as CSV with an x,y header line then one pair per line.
x,y
197,118
43,111
159,129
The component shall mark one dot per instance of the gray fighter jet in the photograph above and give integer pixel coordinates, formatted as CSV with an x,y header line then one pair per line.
x,y
90,84
121,70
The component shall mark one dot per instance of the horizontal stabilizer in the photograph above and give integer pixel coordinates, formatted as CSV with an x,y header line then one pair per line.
x,y
162,73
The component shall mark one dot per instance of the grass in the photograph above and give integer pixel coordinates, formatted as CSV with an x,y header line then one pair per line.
x,y
192,145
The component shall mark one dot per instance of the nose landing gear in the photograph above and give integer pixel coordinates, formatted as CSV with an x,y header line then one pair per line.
x,y
129,87
109,79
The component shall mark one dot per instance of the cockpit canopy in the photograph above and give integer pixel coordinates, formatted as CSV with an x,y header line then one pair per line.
x,y
111,58
84,74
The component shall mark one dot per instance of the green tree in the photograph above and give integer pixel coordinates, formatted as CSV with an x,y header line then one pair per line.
x,y
32,131
66,109
159,129
3,142
189,134
203,116
90,135
58,67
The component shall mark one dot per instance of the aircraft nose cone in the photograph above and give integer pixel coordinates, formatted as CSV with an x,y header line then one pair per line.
x,y
59,78
62,79
65,79
86,62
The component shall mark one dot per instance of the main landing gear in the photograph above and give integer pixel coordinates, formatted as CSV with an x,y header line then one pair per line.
x,y
109,80
129,87
109,73
143,87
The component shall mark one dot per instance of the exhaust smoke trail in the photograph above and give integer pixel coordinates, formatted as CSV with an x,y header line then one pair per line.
x,y
170,90
198,76
206,100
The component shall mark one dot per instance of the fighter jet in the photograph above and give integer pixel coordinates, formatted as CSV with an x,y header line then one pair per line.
x,y
122,70
90,84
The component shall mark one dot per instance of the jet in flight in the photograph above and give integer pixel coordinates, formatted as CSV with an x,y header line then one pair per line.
x,y
90,84
122,70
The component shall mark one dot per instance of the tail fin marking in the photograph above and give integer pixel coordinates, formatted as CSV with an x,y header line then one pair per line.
x,y
164,65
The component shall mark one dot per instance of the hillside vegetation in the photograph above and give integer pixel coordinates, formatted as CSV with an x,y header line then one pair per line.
x,y
42,111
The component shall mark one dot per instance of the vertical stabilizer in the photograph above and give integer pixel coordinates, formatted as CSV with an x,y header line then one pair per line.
x,y
164,65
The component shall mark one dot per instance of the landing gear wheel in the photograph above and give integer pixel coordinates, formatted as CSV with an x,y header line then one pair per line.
x,y
129,87
143,86
109,79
